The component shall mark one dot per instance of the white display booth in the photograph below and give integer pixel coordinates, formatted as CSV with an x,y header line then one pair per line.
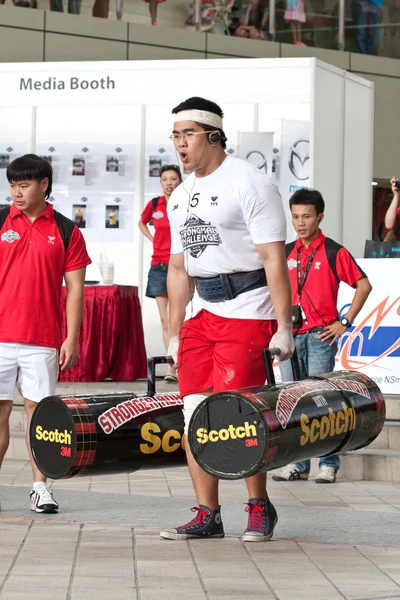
x,y
310,121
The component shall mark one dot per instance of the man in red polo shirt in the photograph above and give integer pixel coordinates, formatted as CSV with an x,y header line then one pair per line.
x,y
38,247
316,266
392,217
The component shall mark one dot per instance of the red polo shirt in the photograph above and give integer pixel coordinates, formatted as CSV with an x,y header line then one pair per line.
x,y
162,234
32,264
320,292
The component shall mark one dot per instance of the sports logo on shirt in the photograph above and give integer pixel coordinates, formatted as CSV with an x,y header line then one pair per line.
x,y
292,264
197,234
10,236
317,265
51,239
158,215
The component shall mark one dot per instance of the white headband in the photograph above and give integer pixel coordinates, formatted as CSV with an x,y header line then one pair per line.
x,y
200,116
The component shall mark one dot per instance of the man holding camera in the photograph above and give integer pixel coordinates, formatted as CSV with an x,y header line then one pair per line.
x,y
316,266
392,217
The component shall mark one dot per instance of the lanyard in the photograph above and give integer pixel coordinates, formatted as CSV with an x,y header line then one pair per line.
x,y
302,279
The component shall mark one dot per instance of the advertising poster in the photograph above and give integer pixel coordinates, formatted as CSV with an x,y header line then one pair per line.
x,y
94,186
102,217
157,156
8,152
256,148
84,167
276,153
295,164
372,345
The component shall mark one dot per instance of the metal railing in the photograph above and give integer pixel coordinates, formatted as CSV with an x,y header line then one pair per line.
x,y
369,27
363,26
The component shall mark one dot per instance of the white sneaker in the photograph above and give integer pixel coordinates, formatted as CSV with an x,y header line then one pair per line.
x,y
290,473
42,500
326,474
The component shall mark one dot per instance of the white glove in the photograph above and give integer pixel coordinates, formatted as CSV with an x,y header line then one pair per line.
x,y
283,339
173,348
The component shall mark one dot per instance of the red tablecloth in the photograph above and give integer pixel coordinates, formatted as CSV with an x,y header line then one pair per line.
x,y
111,342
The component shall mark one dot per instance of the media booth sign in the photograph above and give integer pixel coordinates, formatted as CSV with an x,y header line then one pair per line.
x,y
40,87
372,345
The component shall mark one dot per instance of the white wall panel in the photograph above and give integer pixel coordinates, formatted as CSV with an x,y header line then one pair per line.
x,y
133,105
327,145
358,164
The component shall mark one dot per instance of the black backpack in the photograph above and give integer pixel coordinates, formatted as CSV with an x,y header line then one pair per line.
x,y
331,247
154,202
65,225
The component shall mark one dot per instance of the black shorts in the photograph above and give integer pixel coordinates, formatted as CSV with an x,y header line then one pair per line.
x,y
157,280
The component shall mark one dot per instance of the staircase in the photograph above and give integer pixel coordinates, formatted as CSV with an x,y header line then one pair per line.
x,y
380,461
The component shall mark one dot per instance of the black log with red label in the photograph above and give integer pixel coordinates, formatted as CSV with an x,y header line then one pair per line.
x,y
103,433
237,434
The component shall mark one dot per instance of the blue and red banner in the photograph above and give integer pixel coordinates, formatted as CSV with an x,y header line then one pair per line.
x,y
372,345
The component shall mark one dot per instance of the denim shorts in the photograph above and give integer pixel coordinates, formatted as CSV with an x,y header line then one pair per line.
x,y
157,280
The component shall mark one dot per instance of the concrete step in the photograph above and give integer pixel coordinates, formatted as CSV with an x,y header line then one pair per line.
x,y
17,449
392,407
371,464
17,420
388,438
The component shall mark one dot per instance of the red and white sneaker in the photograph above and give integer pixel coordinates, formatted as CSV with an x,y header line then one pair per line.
x,y
262,520
206,524
42,500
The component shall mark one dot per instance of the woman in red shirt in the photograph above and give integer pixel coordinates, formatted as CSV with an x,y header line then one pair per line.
x,y
156,211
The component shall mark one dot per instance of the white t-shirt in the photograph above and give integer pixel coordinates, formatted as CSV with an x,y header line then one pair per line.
x,y
216,222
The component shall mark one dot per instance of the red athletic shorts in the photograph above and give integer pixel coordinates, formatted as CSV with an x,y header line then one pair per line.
x,y
222,354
